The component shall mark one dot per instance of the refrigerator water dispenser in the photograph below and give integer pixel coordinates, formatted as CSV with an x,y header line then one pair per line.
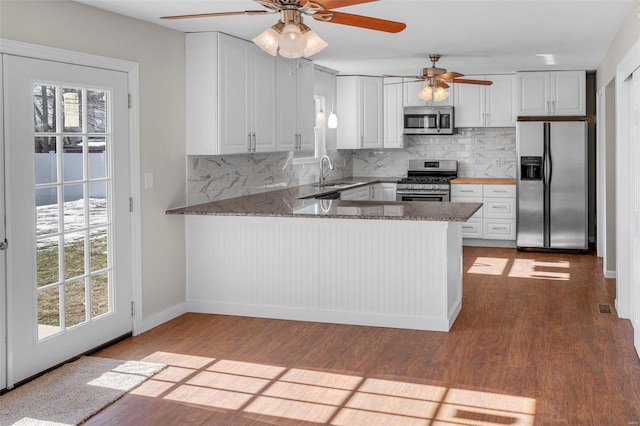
x,y
530,168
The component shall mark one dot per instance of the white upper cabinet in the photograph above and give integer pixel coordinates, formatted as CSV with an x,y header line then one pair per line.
x,y
295,108
486,106
392,99
359,112
412,88
561,93
230,109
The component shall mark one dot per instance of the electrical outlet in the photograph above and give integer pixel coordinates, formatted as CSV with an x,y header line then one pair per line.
x,y
148,181
497,162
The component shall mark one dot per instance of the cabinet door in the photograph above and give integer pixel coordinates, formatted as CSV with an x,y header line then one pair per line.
x,y
569,93
500,101
304,106
470,104
533,93
393,113
234,96
286,101
202,93
263,91
371,112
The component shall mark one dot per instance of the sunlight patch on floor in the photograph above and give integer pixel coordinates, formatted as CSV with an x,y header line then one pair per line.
x,y
522,268
326,397
488,266
529,268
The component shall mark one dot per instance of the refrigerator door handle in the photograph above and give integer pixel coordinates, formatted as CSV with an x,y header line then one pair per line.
x,y
547,173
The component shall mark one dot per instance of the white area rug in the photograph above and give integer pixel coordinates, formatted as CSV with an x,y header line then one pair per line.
x,y
74,392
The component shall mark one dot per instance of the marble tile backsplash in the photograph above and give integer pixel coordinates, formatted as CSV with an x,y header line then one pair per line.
x,y
480,153
488,152
220,177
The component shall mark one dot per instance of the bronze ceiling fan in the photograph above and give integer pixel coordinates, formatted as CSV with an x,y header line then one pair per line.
x,y
438,79
290,36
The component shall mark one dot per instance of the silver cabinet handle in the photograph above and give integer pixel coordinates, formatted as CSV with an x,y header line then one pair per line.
x,y
249,142
253,135
553,107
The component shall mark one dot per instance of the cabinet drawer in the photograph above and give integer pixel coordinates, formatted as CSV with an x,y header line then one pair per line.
x,y
477,214
499,191
471,190
500,208
472,228
500,229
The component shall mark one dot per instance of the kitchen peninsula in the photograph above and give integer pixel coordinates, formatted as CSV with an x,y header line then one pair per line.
x,y
285,254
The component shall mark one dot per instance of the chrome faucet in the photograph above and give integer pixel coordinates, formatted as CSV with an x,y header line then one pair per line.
x,y
323,177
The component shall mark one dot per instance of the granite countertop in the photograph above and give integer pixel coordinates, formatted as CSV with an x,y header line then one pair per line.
x,y
483,181
295,202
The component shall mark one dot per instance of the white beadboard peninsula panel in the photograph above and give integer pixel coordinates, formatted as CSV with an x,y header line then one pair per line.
x,y
402,274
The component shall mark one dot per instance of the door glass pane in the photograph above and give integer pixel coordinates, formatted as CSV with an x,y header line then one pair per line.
x,y
74,300
48,261
98,203
44,108
97,157
96,111
74,254
48,312
73,207
72,110
99,294
47,211
72,159
99,255
46,159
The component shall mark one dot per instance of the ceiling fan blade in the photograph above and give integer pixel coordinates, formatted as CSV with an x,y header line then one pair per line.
x,y
360,21
417,77
334,4
450,75
466,81
211,15
442,84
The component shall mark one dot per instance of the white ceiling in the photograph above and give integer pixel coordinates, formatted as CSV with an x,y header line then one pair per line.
x,y
473,36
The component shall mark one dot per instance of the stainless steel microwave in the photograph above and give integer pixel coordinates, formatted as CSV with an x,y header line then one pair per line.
x,y
428,120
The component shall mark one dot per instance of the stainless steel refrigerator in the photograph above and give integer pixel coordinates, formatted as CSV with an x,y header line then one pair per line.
x,y
551,185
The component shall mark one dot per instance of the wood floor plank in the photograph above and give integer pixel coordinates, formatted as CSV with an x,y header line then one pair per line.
x,y
529,347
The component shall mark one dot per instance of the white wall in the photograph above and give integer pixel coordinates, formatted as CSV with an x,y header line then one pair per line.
x,y
160,55
628,34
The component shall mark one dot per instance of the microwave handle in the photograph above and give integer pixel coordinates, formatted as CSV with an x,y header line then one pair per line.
x,y
438,120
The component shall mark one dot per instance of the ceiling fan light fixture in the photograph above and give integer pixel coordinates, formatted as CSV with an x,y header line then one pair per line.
x,y
314,43
426,93
268,40
440,94
292,42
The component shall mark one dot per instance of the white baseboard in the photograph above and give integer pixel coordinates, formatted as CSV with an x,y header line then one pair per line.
x,y
162,317
610,274
480,242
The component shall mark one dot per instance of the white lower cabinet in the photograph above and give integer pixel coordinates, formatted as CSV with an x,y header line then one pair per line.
x,y
383,191
360,193
496,219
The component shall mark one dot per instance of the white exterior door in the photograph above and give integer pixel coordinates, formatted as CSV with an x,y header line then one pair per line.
x,y
67,185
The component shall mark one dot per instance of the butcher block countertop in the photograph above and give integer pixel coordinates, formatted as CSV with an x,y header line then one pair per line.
x,y
483,181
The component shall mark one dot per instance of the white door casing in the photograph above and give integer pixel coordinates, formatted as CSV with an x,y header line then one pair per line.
x,y
628,190
3,294
33,347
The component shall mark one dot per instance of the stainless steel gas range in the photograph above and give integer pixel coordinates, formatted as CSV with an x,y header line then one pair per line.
x,y
427,180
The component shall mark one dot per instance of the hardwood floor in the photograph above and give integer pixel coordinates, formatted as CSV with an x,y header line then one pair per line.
x,y
529,347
